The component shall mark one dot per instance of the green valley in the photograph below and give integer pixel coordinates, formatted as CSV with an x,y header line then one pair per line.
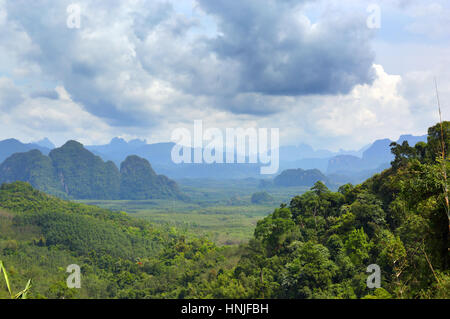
x,y
221,210
222,242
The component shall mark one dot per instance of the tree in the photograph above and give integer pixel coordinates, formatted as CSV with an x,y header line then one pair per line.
x,y
310,272
403,153
274,230
319,188
438,139
357,246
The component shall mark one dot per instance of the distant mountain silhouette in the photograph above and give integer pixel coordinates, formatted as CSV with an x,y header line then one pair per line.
x,y
305,151
45,142
83,175
306,163
117,150
32,167
75,172
374,159
139,181
10,146
299,177
344,165
159,155
345,162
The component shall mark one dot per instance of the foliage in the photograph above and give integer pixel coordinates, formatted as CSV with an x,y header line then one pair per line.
x,y
321,244
120,257
139,181
318,246
261,198
20,295
34,168
72,171
299,177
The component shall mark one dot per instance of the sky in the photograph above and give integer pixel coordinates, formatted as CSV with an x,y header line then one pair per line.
x,y
326,73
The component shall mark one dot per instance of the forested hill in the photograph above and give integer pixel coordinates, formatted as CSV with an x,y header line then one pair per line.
x,y
318,246
322,243
11,146
74,172
300,177
119,256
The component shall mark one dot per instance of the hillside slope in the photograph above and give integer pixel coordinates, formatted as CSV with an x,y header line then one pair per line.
x,y
299,177
72,171
120,257
11,146
320,246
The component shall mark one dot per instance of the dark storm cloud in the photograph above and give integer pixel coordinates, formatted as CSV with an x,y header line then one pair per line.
x,y
263,50
278,55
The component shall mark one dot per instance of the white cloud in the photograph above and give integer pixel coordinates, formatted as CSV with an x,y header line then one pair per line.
x,y
141,69
10,95
62,119
369,112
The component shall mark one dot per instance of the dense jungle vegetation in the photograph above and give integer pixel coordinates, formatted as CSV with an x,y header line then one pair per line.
x,y
318,246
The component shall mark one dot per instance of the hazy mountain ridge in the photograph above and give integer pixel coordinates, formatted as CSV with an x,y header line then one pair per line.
x,y
374,159
11,146
73,171
369,158
138,181
385,220
45,142
300,177
341,167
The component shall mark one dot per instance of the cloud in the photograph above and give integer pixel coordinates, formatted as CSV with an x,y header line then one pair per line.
x,y
278,51
430,19
366,109
125,48
60,118
96,64
50,94
367,113
10,95
141,68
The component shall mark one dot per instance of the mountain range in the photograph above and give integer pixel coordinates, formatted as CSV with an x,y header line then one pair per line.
x,y
376,157
11,146
340,167
72,171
